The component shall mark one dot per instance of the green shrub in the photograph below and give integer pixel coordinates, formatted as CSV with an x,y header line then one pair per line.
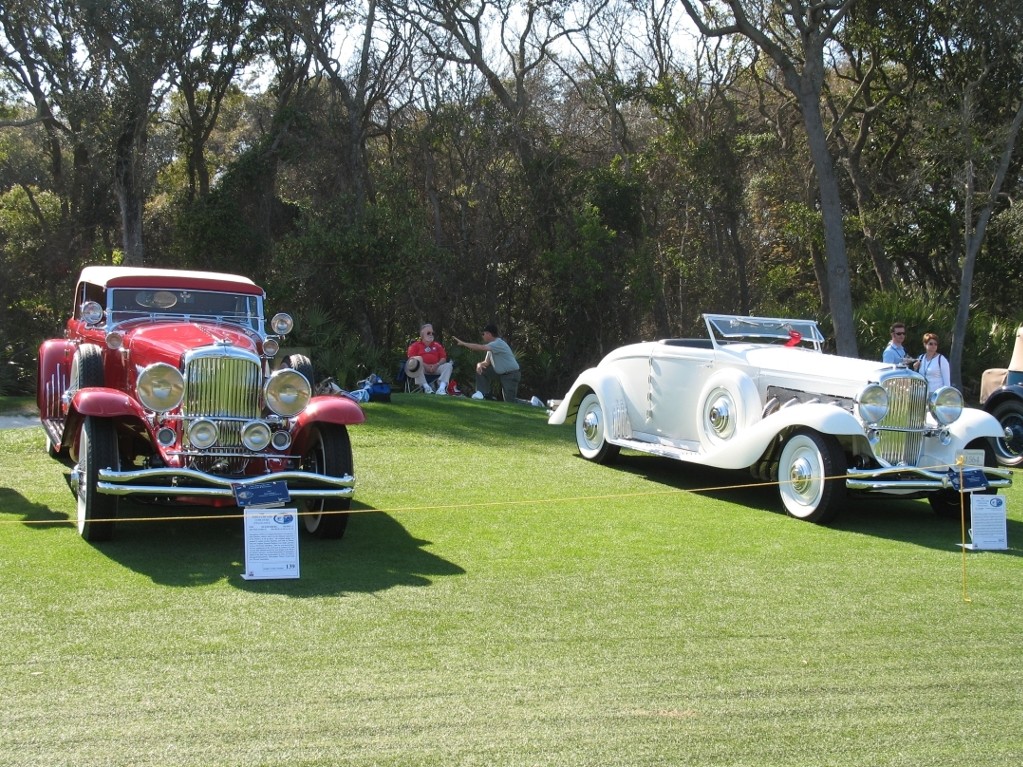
x,y
989,338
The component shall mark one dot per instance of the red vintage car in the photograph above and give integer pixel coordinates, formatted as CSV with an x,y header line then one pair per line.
x,y
166,386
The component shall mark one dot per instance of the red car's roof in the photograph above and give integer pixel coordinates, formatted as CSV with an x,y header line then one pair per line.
x,y
143,277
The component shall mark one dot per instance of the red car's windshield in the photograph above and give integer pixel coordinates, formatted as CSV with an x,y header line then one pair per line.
x,y
124,304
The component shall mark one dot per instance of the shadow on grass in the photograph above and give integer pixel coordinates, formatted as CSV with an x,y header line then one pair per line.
x,y
13,502
906,521
376,553
166,544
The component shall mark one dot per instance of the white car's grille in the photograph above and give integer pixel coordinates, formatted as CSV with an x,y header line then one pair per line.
x,y
902,429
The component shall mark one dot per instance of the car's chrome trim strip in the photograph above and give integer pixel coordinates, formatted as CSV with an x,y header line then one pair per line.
x,y
913,478
202,484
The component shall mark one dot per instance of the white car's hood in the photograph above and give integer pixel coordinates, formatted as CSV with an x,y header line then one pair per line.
x,y
806,370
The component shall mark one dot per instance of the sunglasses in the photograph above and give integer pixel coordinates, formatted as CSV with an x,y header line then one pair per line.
x,y
899,333
428,333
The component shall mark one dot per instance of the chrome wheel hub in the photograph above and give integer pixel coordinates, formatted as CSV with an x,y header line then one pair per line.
x,y
591,426
801,476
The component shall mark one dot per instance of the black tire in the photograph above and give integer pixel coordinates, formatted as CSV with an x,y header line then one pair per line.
x,y
87,368
86,372
1009,452
947,503
810,471
590,434
302,364
330,453
97,450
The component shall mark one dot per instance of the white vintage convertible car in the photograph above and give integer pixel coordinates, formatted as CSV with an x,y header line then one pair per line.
x,y
759,394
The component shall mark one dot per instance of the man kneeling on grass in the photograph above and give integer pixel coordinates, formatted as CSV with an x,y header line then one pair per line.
x,y
499,365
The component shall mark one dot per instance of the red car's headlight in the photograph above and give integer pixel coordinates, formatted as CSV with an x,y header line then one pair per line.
x,y
160,387
287,392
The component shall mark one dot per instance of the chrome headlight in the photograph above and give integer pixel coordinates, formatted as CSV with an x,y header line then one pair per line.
x,y
160,387
946,405
281,440
872,403
287,392
255,435
281,324
271,347
203,433
92,312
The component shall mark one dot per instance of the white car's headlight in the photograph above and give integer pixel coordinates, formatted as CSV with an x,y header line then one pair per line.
x,y
160,387
872,403
287,392
946,405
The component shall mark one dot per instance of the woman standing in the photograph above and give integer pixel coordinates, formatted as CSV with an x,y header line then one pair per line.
x,y
933,365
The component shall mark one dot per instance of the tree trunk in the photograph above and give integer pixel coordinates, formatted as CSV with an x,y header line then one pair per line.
x,y
129,188
973,238
839,289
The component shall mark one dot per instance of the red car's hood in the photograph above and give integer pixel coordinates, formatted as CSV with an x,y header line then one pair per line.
x,y
168,341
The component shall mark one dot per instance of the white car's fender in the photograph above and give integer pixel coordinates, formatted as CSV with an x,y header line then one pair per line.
x,y
747,446
729,406
975,424
607,388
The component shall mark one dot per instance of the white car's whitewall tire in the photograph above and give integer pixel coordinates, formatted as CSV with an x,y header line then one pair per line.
x,y
810,473
591,431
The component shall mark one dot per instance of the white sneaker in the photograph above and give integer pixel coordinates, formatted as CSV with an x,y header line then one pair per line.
x,y
536,401
477,395
427,389
442,389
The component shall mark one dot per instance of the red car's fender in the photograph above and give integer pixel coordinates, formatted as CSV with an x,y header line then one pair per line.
x,y
339,410
54,376
104,402
101,402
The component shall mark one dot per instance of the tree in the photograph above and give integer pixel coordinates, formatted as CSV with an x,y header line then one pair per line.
x,y
794,36
135,46
363,54
226,38
41,55
997,61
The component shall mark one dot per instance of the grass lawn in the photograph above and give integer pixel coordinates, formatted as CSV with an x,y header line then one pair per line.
x,y
500,601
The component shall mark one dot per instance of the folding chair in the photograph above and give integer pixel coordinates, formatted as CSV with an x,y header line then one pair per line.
x,y
409,384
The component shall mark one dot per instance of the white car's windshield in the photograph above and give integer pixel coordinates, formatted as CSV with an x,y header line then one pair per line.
x,y
732,329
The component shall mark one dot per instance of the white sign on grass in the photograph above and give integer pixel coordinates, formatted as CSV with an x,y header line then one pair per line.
x,y
271,543
988,527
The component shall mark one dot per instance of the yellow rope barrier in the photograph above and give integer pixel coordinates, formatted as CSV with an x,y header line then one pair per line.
x,y
542,501
485,504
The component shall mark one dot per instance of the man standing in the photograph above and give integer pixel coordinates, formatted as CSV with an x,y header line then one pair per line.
x,y
894,353
498,365
428,357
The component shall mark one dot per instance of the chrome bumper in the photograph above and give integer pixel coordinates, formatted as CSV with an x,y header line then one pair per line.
x,y
167,481
910,478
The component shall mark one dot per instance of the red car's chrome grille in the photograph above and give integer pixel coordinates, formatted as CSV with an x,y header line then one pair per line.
x,y
907,408
224,387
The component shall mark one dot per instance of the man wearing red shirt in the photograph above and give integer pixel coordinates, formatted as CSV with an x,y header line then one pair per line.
x,y
428,357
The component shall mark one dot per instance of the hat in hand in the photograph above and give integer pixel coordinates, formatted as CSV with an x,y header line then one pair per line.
x,y
412,366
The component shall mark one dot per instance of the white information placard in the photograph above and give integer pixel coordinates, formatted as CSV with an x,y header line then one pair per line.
x,y
271,543
988,527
